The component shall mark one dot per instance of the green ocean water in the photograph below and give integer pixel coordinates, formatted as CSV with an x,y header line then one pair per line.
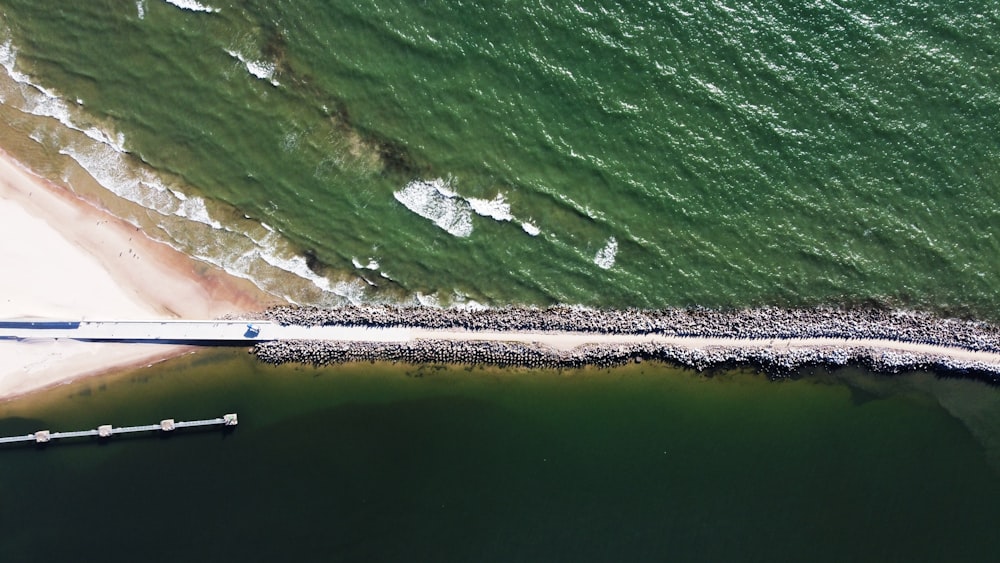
x,y
641,155
376,463
704,153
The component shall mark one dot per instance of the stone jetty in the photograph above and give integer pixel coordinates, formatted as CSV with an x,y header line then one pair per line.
x,y
857,327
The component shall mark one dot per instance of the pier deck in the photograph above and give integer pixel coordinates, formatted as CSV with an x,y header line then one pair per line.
x,y
190,332
165,331
106,430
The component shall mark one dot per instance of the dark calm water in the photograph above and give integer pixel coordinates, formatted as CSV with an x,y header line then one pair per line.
x,y
371,463
696,152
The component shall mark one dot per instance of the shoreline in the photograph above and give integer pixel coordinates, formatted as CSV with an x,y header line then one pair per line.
x,y
68,259
64,257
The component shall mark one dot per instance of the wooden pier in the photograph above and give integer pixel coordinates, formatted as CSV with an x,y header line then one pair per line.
x,y
106,430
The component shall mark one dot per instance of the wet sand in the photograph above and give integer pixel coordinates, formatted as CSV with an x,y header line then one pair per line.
x,y
66,259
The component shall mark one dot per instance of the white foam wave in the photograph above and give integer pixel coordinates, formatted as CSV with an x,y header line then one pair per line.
x,y
496,208
267,250
444,188
192,6
56,108
296,265
434,200
605,257
42,102
237,250
260,69
195,210
470,305
110,168
371,265
428,300
142,187
8,56
457,300
238,267
437,201
352,291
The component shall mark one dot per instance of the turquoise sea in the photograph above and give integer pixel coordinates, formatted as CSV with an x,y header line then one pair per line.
x,y
639,154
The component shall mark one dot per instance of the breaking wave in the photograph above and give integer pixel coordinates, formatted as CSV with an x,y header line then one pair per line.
x,y
605,257
437,201
260,69
434,200
192,6
42,102
496,208
247,249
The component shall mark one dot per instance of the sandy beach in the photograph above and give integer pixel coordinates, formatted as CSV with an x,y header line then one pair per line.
x,y
65,259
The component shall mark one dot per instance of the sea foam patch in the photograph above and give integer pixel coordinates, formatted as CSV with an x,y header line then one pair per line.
x,y
196,210
434,200
260,69
371,265
605,257
496,208
437,201
192,6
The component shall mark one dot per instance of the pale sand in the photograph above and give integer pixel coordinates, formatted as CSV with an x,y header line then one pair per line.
x,y
64,259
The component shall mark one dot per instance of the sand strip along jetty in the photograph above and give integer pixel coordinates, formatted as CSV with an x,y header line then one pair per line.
x,y
777,341
65,257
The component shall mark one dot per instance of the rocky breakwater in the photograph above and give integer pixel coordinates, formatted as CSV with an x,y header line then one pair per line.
x,y
859,327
